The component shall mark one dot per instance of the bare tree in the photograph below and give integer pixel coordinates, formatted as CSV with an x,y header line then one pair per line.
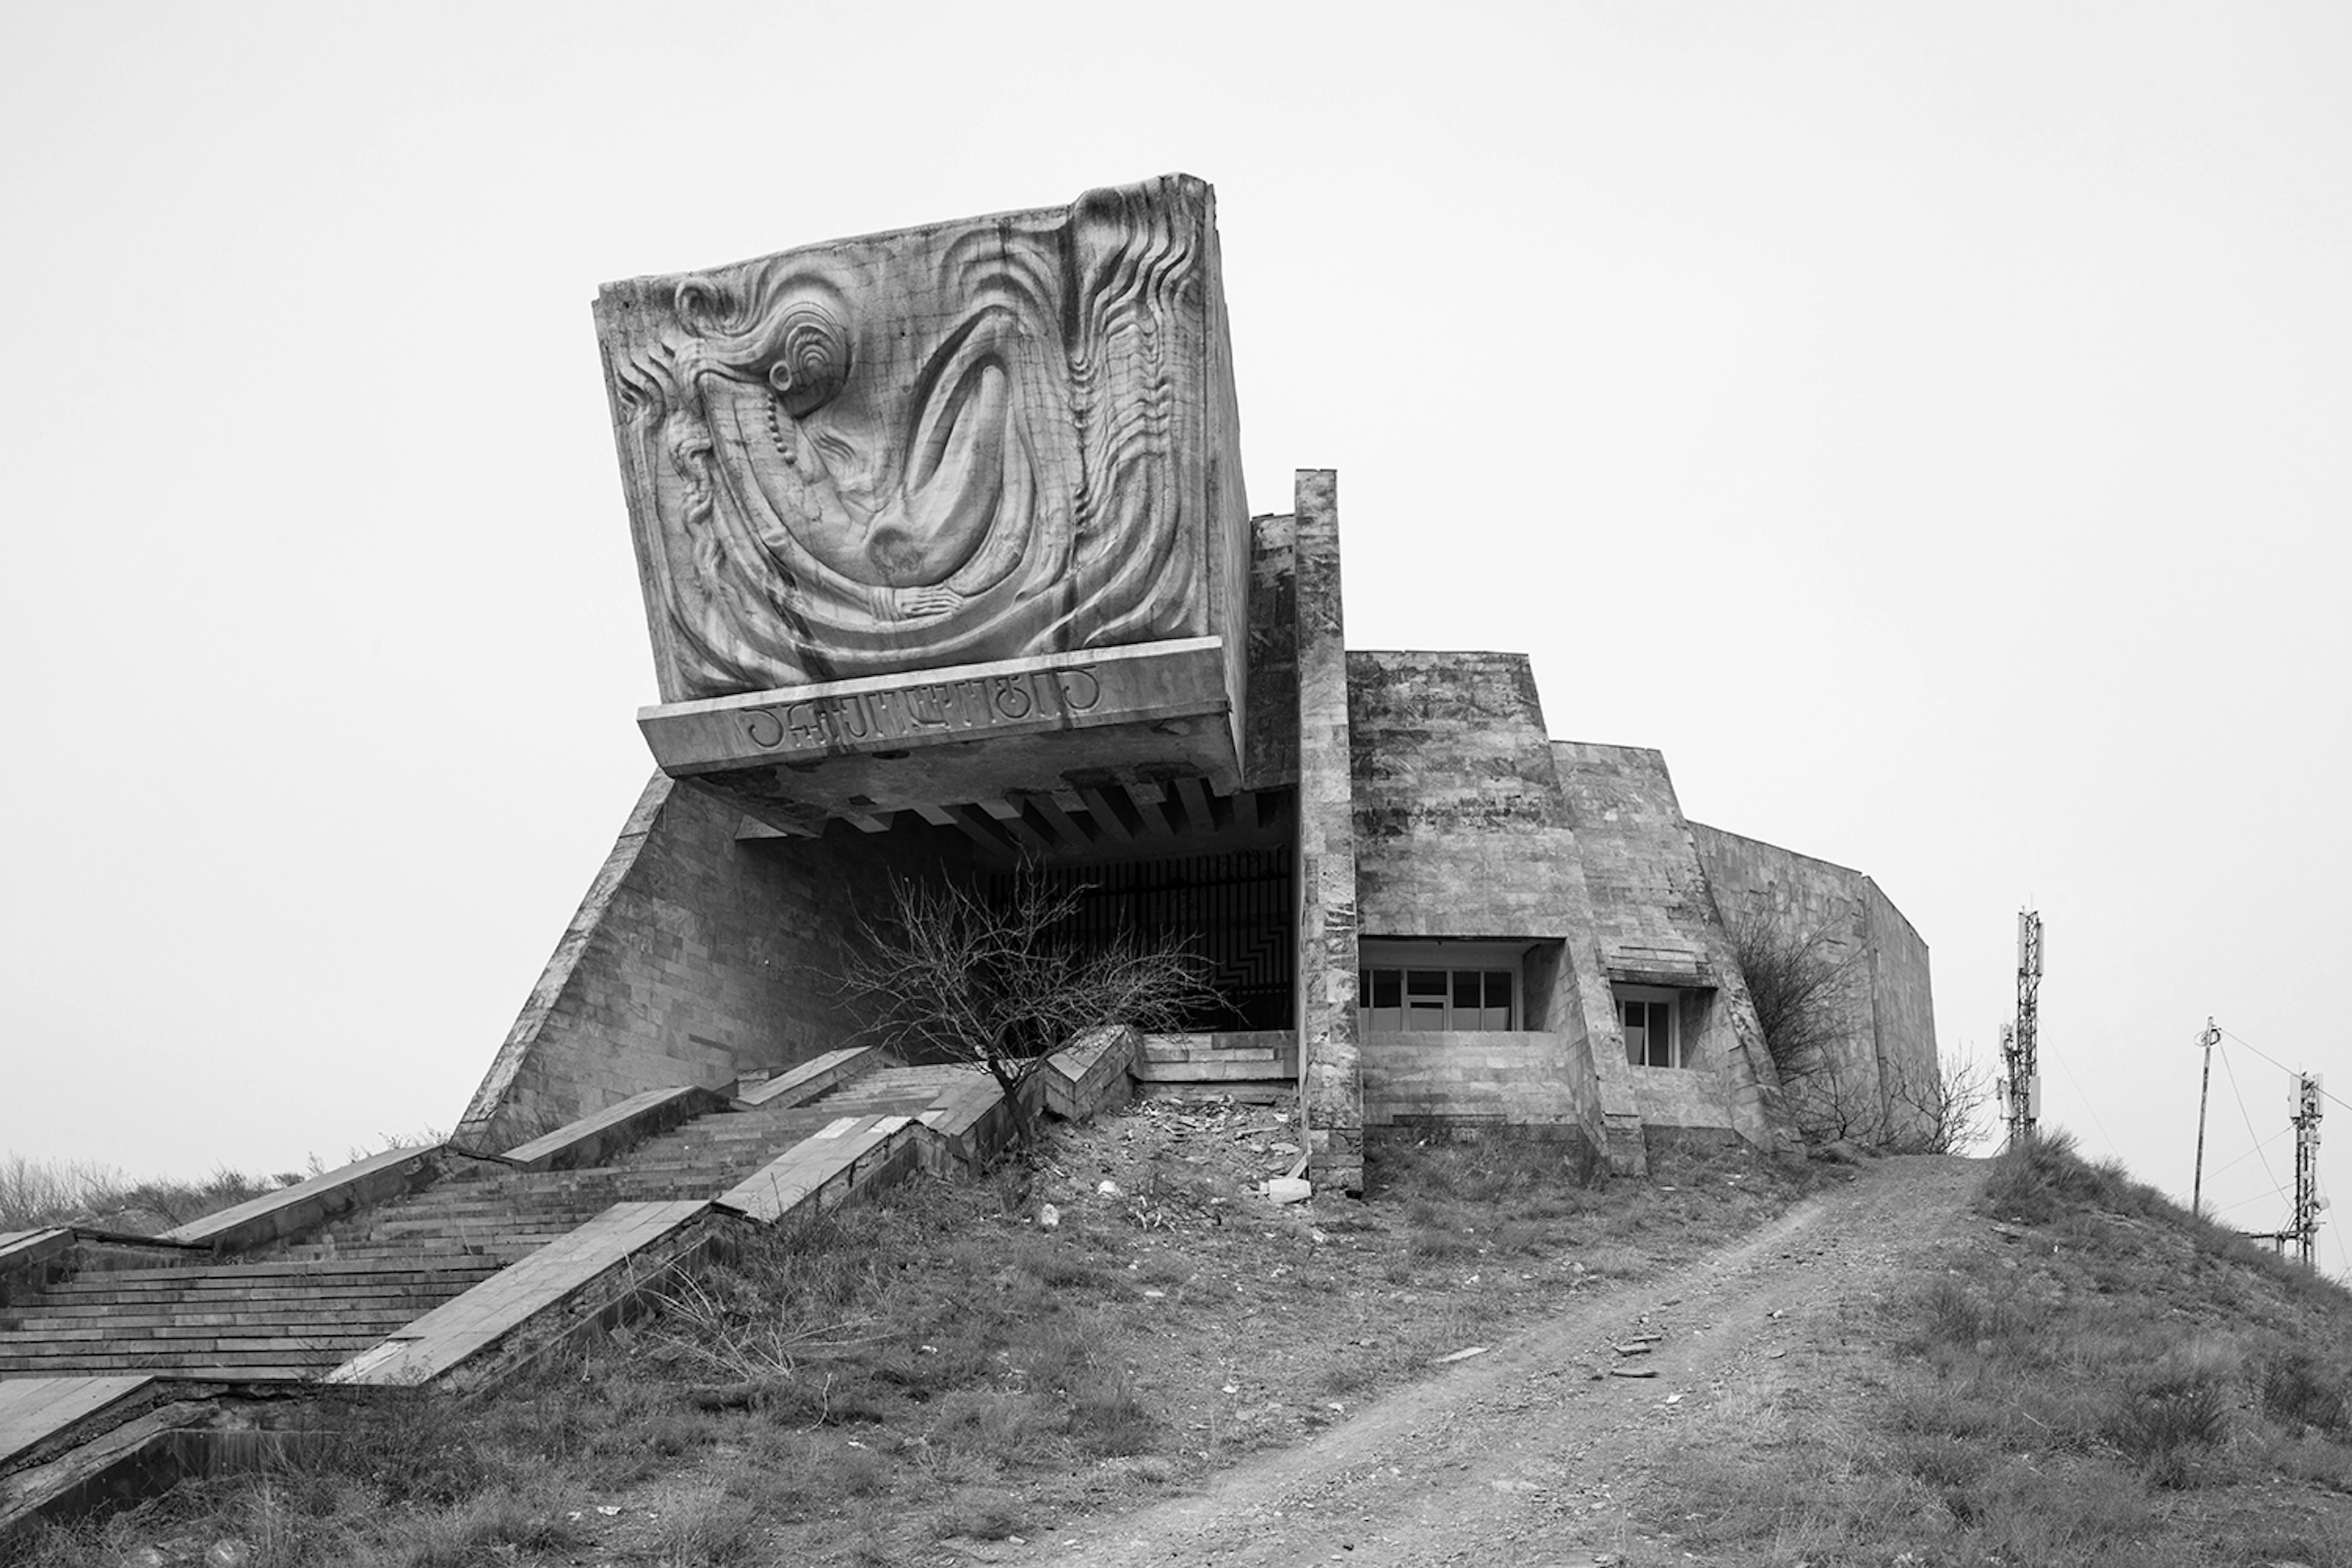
x,y
1806,990
1947,1110
946,974
1803,987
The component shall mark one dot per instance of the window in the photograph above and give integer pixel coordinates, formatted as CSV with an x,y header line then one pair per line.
x,y
1652,1027
1424,987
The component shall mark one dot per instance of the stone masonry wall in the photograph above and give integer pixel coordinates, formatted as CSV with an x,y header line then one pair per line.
x,y
1517,1078
1461,832
1903,1009
1655,918
1890,1044
694,959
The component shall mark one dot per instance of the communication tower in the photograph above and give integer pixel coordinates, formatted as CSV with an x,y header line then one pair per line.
x,y
2021,1090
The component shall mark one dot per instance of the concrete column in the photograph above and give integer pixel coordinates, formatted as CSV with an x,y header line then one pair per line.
x,y
1330,1085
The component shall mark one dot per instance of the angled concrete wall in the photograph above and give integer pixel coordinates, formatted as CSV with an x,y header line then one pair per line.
x,y
1885,1060
694,959
1655,918
1461,832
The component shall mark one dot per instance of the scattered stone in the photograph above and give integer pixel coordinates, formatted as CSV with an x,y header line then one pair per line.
x,y
1107,1189
1049,1218
1155,1295
1289,1190
1462,1354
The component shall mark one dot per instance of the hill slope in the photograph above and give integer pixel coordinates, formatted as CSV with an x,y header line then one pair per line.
x,y
1920,1360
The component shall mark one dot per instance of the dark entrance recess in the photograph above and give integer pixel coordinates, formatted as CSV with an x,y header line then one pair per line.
x,y
1233,909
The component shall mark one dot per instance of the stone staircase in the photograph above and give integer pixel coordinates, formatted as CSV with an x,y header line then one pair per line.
x,y
297,1312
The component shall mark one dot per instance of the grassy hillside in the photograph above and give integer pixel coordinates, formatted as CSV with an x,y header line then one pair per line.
x,y
2095,1378
2079,1374
941,1365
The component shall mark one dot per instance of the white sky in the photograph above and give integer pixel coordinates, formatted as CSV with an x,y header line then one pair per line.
x,y
1926,423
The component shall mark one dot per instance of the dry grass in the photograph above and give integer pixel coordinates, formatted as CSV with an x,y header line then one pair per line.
x,y
36,1193
937,1367
2122,1384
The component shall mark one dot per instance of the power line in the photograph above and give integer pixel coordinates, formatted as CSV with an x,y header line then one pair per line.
x,y
2291,1072
2257,1149
2087,1104
2240,1099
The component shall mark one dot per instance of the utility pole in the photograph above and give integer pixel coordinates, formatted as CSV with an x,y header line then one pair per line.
x,y
2209,1039
2022,1089
2308,1200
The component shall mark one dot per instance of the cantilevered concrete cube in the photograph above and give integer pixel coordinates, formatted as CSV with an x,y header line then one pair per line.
x,y
944,513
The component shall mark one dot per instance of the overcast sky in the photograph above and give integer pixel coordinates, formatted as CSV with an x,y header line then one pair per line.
x,y
1928,424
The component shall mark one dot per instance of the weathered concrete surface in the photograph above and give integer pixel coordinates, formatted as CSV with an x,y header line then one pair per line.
x,y
1270,734
1330,1094
1655,917
1461,1079
798,755
694,959
876,485
826,1169
305,1207
595,1138
1461,833
38,1413
979,439
1886,1062
812,1078
1092,1073
589,1275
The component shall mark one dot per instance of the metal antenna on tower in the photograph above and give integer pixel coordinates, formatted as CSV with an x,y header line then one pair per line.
x,y
2022,1089
2308,1200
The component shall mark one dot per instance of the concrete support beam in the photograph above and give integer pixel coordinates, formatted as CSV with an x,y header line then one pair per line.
x,y
1330,1087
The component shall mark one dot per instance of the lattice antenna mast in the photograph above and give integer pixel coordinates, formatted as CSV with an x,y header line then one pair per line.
x,y
2022,1089
2304,1231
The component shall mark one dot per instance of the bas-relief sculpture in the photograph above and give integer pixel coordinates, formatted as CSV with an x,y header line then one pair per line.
x,y
952,445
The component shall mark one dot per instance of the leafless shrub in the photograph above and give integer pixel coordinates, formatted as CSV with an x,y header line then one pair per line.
x,y
1945,1112
947,974
1803,985
1806,987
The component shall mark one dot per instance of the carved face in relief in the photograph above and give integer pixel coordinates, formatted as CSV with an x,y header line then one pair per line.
x,y
948,445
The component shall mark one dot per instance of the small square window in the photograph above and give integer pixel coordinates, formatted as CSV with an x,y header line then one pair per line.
x,y
1653,1032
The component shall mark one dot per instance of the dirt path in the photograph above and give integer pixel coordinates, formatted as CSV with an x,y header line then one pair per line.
x,y
1521,1457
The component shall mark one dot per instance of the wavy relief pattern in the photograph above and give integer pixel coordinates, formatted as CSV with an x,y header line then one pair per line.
x,y
934,448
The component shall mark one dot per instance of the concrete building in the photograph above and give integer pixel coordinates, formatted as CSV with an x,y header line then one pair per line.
x,y
948,572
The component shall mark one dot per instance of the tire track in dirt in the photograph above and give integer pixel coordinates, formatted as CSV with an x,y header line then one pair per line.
x,y
1522,1455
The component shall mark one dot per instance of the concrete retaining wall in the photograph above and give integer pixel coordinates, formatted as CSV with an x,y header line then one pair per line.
x,y
695,959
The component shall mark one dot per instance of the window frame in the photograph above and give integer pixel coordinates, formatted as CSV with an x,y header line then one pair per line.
x,y
1410,960
1677,1055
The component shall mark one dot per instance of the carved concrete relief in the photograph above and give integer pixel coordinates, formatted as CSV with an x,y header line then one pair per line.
x,y
963,443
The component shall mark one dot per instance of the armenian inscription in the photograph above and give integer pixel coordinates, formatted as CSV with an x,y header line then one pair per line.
x,y
868,717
